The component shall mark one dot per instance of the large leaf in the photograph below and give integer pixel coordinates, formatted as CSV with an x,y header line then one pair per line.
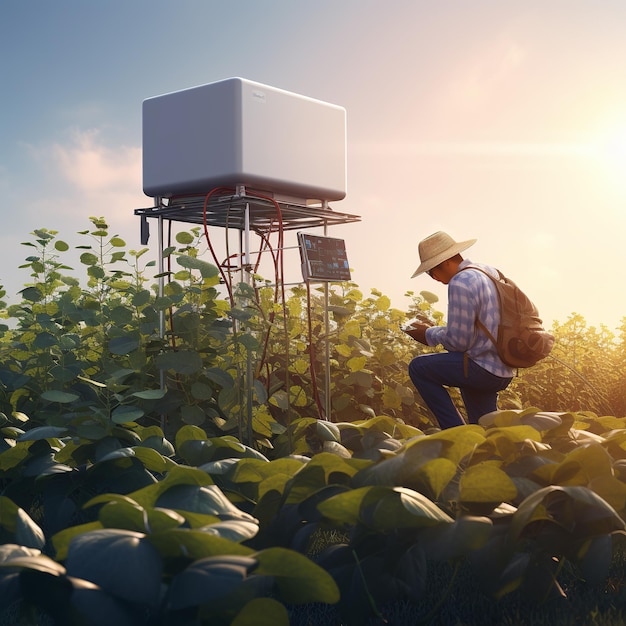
x,y
44,464
256,470
317,473
62,540
298,579
209,579
43,432
220,377
386,424
546,423
578,510
584,463
207,270
189,432
9,551
124,345
130,516
178,475
515,434
411,572
98,607
16,521
47,592
418,466
152,459
452,541
432,477
63,397
610,489
262,612
208,500
39,562
125,414
193,414
199,452
181,361
32,294
384,508
88,258
456,442
121,562
328,431
152,437
150,394
195,544
596,557
486,482
233,530
45,340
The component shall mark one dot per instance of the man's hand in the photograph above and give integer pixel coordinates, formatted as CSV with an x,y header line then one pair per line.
x,y
417,331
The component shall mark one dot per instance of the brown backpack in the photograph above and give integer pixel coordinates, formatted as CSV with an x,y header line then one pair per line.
x,y
521,339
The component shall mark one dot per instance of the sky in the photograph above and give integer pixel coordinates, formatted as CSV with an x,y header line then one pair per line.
x,y
501,121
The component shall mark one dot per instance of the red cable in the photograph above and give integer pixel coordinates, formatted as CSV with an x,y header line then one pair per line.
x,y
280,275
208,238
279,268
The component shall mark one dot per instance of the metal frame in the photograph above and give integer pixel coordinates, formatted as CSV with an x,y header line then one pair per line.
x,y
229,211
236,209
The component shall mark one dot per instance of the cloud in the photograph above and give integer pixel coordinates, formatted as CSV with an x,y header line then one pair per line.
x,y
84,177
76,179
92,167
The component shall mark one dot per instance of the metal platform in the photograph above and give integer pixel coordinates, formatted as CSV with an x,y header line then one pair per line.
x,y
245,211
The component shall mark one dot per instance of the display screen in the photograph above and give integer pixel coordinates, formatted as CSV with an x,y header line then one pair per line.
x,y
323,258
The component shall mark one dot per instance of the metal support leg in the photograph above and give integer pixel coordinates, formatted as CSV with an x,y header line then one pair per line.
x,y
249,372
161,290
327,378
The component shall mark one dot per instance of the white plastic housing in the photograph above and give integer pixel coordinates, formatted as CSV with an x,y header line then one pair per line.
x,y
238,132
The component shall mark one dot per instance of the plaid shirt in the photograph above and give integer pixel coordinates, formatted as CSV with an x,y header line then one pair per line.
x,y
471,296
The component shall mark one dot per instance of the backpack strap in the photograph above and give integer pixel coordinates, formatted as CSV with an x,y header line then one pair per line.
x,y
484,329
478,322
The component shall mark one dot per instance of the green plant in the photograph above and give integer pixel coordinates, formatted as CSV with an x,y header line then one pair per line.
x,y
167,425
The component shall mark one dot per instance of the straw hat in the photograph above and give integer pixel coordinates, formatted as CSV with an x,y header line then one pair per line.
x,y
437,248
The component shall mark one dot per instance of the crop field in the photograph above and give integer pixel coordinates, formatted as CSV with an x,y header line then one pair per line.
x,y
168,457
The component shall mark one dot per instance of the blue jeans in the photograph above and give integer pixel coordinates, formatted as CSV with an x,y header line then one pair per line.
x,y
432,373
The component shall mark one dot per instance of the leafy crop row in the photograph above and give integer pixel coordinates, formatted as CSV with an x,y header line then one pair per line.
x,y
163,459
194,532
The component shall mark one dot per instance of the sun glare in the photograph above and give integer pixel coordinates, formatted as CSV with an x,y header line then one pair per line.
x,y
610,151
613,148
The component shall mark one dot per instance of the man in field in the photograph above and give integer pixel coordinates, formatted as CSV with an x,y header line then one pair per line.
x,y
471,361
